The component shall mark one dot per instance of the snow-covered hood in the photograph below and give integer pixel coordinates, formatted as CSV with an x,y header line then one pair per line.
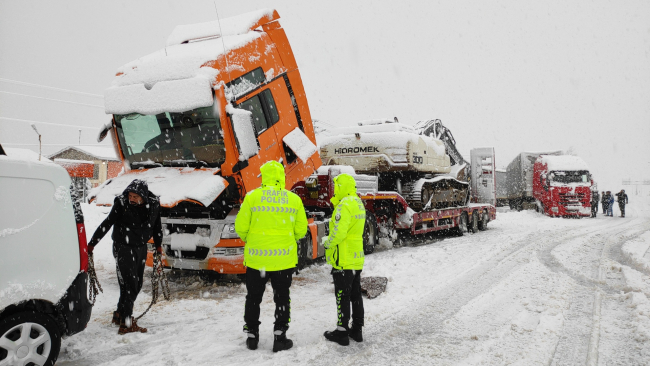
x,y
172,185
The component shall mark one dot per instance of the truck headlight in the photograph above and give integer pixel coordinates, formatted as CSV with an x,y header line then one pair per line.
x,y
229,232
555,209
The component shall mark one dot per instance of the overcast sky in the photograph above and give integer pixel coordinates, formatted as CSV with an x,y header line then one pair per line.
x,y
516,75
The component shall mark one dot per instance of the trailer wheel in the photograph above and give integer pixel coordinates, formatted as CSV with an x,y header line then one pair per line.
x,y
369,234
474,224
305,251
483,223
461,229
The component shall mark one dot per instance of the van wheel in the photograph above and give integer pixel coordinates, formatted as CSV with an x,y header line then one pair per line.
x,y
29,338
485,218
473,227
369,234
305,251
461,229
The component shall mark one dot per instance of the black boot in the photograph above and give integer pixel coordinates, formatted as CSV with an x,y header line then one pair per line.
x,y
356,333
280,341
340,336
252,340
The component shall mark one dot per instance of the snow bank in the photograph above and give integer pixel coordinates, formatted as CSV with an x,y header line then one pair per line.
x,y
564,162
165,96
170,184
229,26
300,144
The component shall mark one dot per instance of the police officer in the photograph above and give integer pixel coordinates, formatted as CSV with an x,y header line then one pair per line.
x,y
271,220
344,251
135,218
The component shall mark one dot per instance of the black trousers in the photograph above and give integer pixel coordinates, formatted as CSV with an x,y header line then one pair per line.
x,y
347,287
594,209
130,261
255,286
621,206
604,208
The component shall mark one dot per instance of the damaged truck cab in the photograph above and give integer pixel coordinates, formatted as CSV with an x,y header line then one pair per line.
x,y
197,119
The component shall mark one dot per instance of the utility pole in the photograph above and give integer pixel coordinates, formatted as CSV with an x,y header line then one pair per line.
x,y
39,142
80,137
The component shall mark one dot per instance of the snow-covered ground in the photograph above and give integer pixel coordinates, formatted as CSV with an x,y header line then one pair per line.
x,y
530,290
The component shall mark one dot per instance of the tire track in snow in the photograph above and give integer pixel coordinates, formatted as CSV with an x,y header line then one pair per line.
x,y
579,340
418,337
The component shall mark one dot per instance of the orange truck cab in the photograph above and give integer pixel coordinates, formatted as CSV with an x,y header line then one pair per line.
x,y
197,119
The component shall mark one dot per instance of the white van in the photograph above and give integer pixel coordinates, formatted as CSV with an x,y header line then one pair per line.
x,y
43,261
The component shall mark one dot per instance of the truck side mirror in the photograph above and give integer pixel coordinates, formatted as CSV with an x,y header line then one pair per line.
x,y
242,121
104,131
544,180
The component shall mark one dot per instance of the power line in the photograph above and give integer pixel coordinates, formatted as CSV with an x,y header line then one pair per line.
x,y
56,100
46,123
49,87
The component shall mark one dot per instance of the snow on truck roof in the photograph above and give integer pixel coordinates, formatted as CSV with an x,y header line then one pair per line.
x,y
172,79
563,162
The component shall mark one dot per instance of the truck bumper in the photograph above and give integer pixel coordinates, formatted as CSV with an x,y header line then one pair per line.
x,y
217,259
74,307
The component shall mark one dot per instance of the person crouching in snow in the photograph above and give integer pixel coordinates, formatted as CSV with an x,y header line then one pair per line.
x,y
270,221
344,251
135,218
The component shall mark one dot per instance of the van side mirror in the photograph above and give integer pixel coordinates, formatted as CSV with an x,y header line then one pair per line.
x,y
104,131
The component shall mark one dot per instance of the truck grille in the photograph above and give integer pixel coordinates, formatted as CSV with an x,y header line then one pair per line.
x,y
200,253
572,199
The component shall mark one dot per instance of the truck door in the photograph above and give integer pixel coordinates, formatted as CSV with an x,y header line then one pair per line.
x,y
483,181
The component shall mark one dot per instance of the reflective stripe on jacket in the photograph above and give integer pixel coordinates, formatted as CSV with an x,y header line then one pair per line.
x,y
271,220
345,241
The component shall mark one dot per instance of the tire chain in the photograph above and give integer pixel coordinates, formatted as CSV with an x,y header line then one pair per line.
x,y
94,287
158,278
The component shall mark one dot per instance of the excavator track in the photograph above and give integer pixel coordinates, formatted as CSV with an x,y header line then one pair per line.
x,y
435,193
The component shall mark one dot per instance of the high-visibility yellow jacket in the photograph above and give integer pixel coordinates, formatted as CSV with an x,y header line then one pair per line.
x,y
344,246
271,220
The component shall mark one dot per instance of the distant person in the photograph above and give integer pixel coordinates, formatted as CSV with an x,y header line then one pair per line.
x,y
621,197
135,218
595,198
610,204
603,200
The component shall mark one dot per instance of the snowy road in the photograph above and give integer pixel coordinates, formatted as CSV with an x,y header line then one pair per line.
x,y
529,291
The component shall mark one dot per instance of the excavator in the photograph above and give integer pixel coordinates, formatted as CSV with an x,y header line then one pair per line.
x,y
419,162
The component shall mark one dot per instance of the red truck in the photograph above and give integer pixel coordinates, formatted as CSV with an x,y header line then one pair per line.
x,y
562,186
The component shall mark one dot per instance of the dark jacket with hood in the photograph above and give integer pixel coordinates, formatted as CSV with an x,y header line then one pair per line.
x,y
133,225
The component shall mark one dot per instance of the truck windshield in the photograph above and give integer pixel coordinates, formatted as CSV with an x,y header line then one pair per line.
x,y
191,138
563,177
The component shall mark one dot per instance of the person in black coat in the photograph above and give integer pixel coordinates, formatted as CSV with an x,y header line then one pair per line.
x,y
604,201
595,198
621,197
135,218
